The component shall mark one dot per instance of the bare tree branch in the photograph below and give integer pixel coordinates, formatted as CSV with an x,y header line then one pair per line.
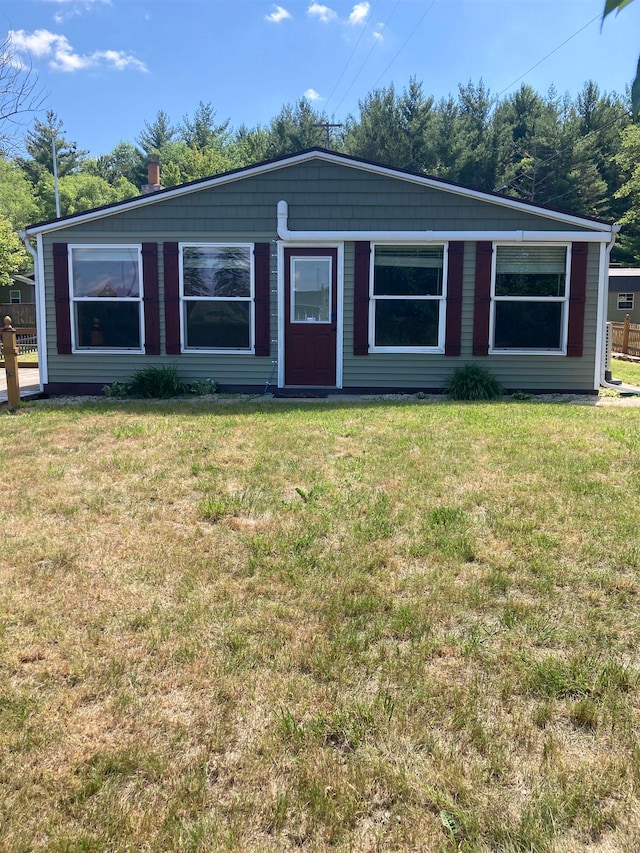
x,y
20,92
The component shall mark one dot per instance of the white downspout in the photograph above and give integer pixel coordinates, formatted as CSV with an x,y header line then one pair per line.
x,y
519,236
38,279
604,298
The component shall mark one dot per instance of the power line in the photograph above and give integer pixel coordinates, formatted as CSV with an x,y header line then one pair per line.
x,y
406,41
351,55
373,47
555,50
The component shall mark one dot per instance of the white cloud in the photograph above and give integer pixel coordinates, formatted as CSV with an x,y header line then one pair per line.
x,y
323,13
74,7
359,13
312,95
377,34
45,44
278,15
119,59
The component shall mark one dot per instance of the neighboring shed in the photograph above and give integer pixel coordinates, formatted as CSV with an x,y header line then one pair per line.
x,y
624,295
18,300
319,270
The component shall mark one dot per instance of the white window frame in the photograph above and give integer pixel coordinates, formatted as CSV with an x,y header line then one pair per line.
x,y
12,297
625,297
75,348
564,323
251,299
442,298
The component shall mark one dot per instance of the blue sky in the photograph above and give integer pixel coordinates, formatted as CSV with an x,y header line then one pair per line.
x,y
106,66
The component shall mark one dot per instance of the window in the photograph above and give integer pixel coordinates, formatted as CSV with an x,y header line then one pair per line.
x,y
408,298
310,290
625,302
529,298
15,297
217,297
106,297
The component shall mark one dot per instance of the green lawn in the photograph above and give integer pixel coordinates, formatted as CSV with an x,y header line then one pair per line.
x,y
628,371
360,627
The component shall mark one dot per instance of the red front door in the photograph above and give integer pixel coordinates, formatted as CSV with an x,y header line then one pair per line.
x,y
310,286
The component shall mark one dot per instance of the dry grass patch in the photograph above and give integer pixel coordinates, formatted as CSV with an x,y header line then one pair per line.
x,y
365,627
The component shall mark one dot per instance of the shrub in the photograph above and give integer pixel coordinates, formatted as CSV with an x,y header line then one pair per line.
x,y
472,382
203,387
116,389
162,382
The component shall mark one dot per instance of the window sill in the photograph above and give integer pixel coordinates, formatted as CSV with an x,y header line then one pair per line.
x,y
527,352
418,350
107,351
203,351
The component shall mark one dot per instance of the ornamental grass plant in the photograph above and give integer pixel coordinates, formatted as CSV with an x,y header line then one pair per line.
x,y
473,382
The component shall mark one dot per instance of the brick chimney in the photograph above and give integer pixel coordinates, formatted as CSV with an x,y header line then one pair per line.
x,y
153,176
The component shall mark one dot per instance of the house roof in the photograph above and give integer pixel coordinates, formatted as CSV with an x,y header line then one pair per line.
x,y
306,156
624,279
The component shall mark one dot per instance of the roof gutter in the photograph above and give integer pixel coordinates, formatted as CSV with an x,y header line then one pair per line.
x,y
288,235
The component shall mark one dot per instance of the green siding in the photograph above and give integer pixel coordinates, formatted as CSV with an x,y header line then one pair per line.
x,y
320,196
424,370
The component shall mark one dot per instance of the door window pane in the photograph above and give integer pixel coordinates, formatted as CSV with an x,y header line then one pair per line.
x,y
311,290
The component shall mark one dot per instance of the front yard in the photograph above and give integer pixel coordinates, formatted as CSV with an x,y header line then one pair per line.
x,y
370,626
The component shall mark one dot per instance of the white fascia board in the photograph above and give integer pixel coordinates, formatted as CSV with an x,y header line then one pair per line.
x,y
220,180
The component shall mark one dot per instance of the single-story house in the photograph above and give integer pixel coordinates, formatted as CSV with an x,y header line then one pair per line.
x,y
624,295
322,271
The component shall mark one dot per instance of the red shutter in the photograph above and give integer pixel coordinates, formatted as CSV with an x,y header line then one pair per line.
x,y
577,298
455,265
362,265
261,255
150,298
61,293
171,298
482,299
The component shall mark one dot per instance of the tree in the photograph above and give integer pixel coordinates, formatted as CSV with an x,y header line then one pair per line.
x,y
156,134
80,192
14,258
394,130
125,161
202,132
628,159
609,6
250,146
295,128
19,93
17,199
39,147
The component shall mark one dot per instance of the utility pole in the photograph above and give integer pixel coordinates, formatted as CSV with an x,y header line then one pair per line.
x,y
55,175
327,129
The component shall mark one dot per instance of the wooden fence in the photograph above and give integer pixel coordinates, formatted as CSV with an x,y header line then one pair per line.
x,y
626,337
23,314
26,341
